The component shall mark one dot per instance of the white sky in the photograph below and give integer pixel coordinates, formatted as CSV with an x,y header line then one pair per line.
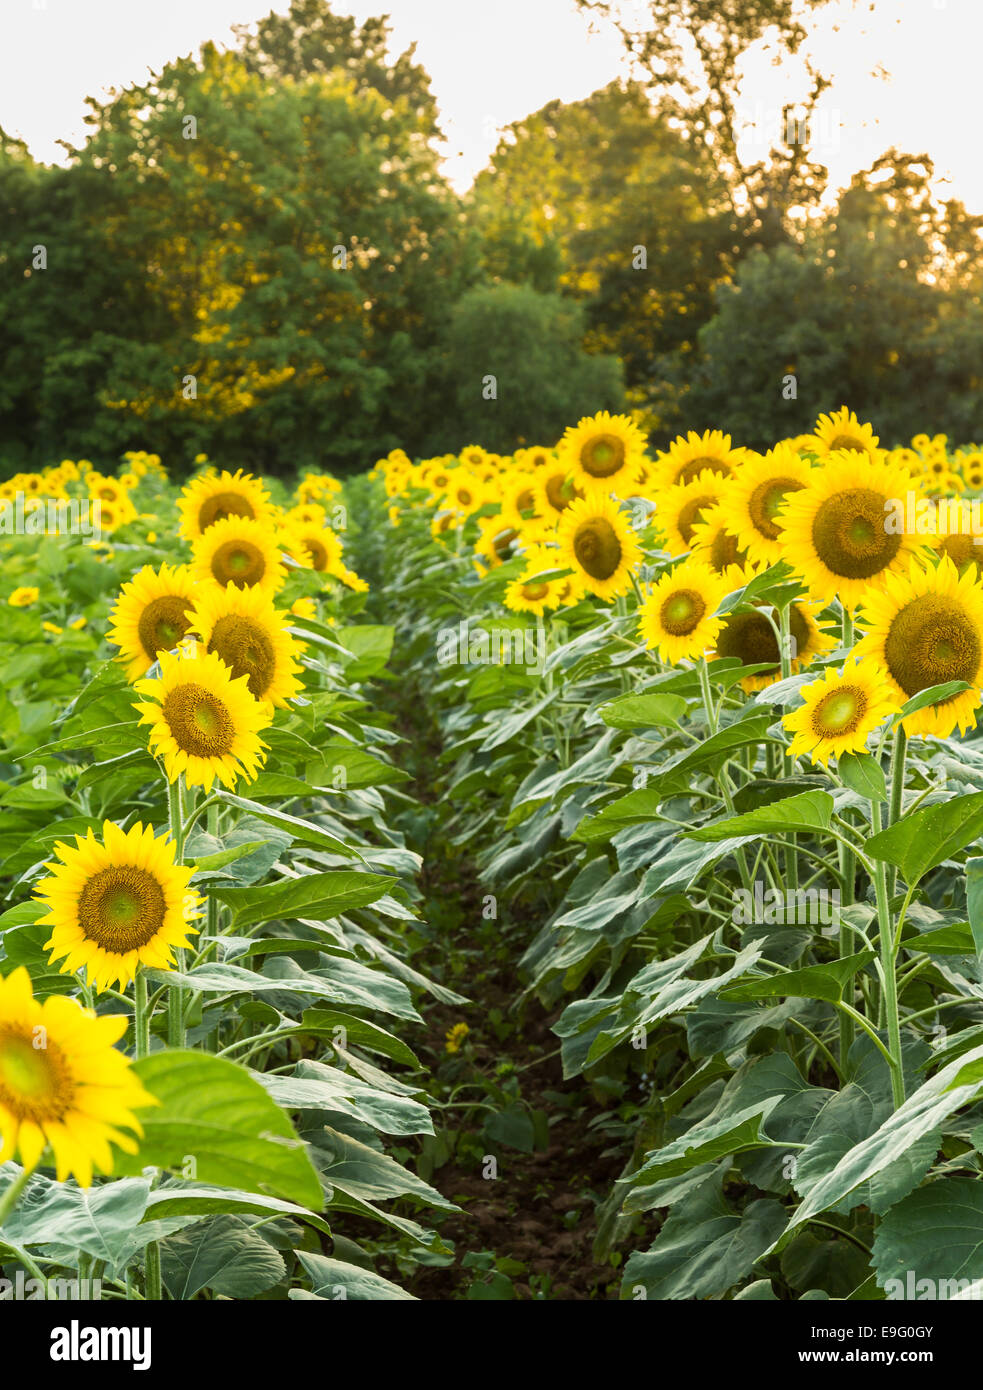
x,y
495,61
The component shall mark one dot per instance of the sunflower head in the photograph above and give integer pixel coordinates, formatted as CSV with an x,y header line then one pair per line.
x,y
757,495
314,546
215,497
245,630
597,542
117,903
151,616
687,458
843,532
925,628
680,507
714,540
677,618
749,634
75,1095
842,431
840,711
239,551
204,722
603,450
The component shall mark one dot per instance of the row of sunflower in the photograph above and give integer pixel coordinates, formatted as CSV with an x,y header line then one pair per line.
x,y
205,903
733,771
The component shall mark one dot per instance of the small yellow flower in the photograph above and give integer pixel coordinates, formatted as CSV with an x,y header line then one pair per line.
x,y
53,627
455,1037
151,537
77,624
23,597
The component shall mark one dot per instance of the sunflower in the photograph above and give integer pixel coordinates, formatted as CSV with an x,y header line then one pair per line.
x,y
494,540
306,514
553,491
518,498
603,450
75,1093
314,546
151,616
435,475
756,496
251,637
596,541
750,637
466,493
537,456
714,540
839,532
686,459
474,456
215,497
841,710
203,721
971,468
842,430
116,904
106,489
926,628
240,551
529,593
680,507
956,535
676,619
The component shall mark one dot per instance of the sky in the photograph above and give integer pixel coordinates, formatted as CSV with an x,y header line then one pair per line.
x,y
906,71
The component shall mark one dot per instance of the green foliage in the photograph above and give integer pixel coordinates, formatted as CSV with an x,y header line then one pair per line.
x,y
530,343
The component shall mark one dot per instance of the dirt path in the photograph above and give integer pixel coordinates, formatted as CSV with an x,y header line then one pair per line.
x,y
534,1223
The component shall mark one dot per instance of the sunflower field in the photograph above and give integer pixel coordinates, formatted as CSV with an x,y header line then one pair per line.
x,y
545,876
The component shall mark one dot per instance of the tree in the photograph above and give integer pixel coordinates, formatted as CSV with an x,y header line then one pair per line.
x,y
515,370
692,54
257,269
875,310
635,215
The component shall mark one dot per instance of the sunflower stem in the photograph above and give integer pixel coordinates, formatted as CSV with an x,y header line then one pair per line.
x,y
152,1272
889,981
10,1198
141,1015
785,656
898,766
848,873
722,779
175,997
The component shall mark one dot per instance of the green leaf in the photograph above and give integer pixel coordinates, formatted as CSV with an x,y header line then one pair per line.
x,y
974,901
333,1279
644,711
720,745
705,1143
178,1199
303,831
225,1255
208,862
705,1247
922,840
216,1113
806,811
863,775
98,1220
922,1113
810,982
935,1233
321,896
